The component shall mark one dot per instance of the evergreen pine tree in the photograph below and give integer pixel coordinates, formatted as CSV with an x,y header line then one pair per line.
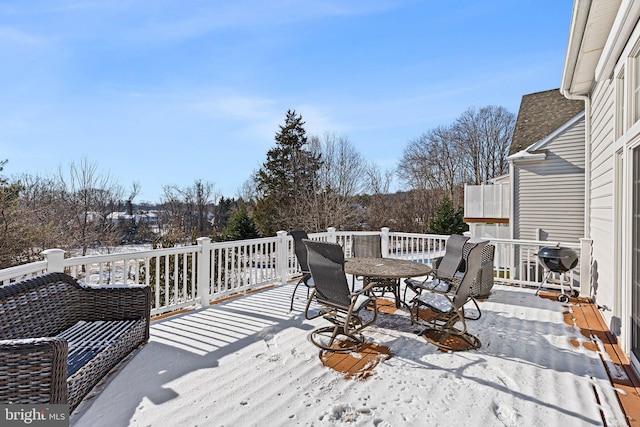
x,y
241,226
285,181
222,212
448,220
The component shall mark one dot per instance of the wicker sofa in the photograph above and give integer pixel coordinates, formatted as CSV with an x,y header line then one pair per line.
x,y
58,337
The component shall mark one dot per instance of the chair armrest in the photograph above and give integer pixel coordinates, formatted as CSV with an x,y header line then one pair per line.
x,y
118,302
363,290
33,370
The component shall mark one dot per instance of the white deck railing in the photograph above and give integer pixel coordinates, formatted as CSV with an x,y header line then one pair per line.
x,y
210,271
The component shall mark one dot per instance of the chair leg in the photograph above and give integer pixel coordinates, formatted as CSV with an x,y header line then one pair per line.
x,y
442,333
293,295
475,302
416,291
355,340
443,340
414,307
414,310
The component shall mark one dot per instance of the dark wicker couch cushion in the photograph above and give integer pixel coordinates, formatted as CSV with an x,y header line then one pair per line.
x,y
87,339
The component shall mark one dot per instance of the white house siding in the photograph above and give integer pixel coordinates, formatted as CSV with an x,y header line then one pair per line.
x,y
549,194
601,199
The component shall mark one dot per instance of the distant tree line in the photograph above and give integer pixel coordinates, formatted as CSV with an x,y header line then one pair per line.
x,y
471,150
316,183
77,210
307,182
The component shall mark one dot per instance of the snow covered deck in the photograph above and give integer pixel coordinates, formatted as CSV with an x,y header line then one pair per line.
x,y
247,361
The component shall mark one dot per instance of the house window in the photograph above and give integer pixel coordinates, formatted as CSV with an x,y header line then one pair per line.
x,y
635,88
620,105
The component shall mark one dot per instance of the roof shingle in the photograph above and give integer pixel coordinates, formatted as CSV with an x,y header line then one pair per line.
x,y
540,114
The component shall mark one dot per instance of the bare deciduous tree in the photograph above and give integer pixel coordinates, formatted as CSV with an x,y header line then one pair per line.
x,y
472,150
378,206
40,200
14,242
187,210
432,162
248,192
89,196
341,176
483,137
430,166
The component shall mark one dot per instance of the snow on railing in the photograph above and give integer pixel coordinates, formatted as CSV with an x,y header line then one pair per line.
x,y
209,271
20,272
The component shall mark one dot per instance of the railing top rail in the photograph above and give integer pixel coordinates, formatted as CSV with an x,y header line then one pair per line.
x,y
391,233
535,242
20,270
89,259
420,235
349,233
246,242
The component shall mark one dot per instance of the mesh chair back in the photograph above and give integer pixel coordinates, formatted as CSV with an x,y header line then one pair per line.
x,y
453,255
326,263
474,264
368,245
300,249
486,273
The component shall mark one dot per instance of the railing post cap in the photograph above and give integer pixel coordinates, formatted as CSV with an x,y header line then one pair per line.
x,y
53,251
202,240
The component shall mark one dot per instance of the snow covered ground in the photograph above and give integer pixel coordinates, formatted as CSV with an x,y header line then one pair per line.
x,y
247,362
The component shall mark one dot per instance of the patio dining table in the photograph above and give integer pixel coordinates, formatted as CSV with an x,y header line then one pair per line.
x,y
387,268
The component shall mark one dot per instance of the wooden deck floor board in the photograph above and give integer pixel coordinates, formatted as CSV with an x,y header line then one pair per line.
x,y
585,315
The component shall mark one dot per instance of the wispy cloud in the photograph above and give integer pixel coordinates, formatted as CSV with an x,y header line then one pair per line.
x,y
153,22
180,24
16,37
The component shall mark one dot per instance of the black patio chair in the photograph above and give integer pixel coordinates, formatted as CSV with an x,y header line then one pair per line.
x,y
301,254
484,280
370,246
445,269
337,304
450,269
483,284
448,319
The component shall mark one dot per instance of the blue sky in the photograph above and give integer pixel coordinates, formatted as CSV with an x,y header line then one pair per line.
x,y
167,92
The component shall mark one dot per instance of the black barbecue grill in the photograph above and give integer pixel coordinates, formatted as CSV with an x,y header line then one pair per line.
x,y
558,260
